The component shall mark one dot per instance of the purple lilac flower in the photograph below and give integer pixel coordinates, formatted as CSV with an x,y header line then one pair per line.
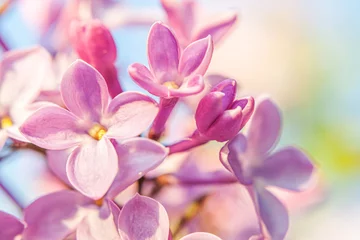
x,y
249,157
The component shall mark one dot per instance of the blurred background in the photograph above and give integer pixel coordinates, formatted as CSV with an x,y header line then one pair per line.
x,y
304,54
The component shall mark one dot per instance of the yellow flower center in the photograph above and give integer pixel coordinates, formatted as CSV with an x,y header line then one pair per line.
x,y
99,202
171,85
97,131
6,122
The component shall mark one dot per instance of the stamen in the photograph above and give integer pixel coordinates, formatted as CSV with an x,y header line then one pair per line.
x,y
6,122
171,85
97,131
99,202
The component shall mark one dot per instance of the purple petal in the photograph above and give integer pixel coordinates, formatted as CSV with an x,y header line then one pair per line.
x,y
129,114
92,168
137,156
237,160
273,214
143,77
196,58
163,53
84,91
264,129
247,105
10,226
143,218
57,160
218,29
54,216
190,86
20,80
288,168
95,226
200,236
52,128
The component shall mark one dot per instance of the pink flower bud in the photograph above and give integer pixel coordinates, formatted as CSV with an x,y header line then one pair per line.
x,y
218,116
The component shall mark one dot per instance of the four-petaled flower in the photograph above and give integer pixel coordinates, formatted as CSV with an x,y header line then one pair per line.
x,y
92,124
251,161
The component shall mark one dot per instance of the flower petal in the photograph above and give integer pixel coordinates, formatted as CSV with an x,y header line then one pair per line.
x,y
218,29
190,86
264,129
137,156
196,57
143,77
20,80
143,218
288,168
129,114
53,128
200,236
92,168
163,53
55,215
3,138
84,91
10,226
273,214
57,160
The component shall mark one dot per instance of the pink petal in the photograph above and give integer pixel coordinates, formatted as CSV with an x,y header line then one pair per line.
x,y
14,132
237,161
57,160
52,128
218,29
10,226
54,216
196,58
143,77
20,80
288,168
3,138
163,53
137,156
84,91
200,236
95,226
247,105
129,114
273,214
264,129
143,218
190,86
92,168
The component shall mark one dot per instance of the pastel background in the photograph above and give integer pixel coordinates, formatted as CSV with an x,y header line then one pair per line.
x,y
304,54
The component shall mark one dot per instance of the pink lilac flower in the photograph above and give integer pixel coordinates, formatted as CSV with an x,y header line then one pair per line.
x,y
20,84
94,43
251,160
11,227
91,124
182,17
173,73
218,116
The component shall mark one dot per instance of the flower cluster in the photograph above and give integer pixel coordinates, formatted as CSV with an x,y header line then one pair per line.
x,y
122,179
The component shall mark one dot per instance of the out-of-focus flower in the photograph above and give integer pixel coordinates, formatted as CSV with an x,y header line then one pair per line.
x,y
11,227
94,43
172,73
219,116
90,124
182,18
251,161
20,84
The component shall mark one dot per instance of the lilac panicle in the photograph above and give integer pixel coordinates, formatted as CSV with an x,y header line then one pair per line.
x,y
250,159
91,124
94,43
173,73
218,116
182,18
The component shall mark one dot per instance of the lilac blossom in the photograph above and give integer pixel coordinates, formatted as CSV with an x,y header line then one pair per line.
x,y
173,73
91,124
20,84
182,16
251,160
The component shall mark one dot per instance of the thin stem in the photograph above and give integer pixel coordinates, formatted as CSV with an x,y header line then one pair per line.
x,y
166,106
195,140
